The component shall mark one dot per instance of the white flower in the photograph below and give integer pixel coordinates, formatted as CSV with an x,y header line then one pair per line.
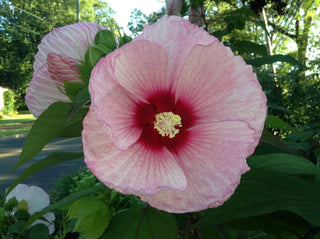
x,y
33,199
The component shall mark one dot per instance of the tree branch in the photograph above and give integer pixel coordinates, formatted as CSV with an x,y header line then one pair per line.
x,y
282,31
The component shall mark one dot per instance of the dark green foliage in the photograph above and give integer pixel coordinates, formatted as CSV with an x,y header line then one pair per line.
x,y
8,100
84,179
39,231
71,183
142,222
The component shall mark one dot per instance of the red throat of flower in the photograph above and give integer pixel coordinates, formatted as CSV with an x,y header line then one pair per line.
x,y
165,121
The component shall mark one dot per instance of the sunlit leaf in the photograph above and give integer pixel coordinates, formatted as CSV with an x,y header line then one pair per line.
x,y
93,216
47,127
106,38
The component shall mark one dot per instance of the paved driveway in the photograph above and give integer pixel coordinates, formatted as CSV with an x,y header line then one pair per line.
x,y
10,148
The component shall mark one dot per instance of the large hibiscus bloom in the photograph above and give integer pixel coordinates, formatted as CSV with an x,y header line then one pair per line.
x,y
56,61
174,115
33,199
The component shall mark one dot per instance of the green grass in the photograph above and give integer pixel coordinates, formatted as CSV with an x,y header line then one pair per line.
x,y
17,119
15,131
23,117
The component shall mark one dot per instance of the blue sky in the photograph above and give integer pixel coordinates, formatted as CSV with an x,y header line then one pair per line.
x,y
124,8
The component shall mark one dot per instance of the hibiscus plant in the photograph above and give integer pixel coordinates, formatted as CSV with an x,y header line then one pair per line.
x,y
174,132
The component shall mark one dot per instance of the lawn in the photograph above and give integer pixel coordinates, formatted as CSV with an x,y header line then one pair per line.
x,y
17,124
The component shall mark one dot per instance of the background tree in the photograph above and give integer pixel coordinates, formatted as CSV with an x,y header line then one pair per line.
x,y
138,19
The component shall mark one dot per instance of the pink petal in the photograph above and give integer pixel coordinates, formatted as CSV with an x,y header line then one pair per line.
x,y
136,170
42,92
71,41
118,112
177,36
142,69
115,106
222,88
213,163
62,69
123,78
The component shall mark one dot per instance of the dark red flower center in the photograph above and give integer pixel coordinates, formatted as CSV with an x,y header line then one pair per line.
x,y
162,102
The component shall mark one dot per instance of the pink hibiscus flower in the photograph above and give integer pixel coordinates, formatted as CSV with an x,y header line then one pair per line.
x,y
174,115
56,61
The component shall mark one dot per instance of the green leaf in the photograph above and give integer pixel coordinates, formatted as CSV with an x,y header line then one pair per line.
x,y
271,59
92,56
68,200
239,17
273,121
17,227
2,214
305,146
262,192
276,107
317,236
51,159
73,127
283,163
39,231
124,40
47,127
21,215
106,38
215,232
72,89
93,216
249,47
85,70
281,225
142,222
268,138
11,204
82,99
96,52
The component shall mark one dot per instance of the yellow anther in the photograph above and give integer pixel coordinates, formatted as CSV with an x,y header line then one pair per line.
x,y
166,123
